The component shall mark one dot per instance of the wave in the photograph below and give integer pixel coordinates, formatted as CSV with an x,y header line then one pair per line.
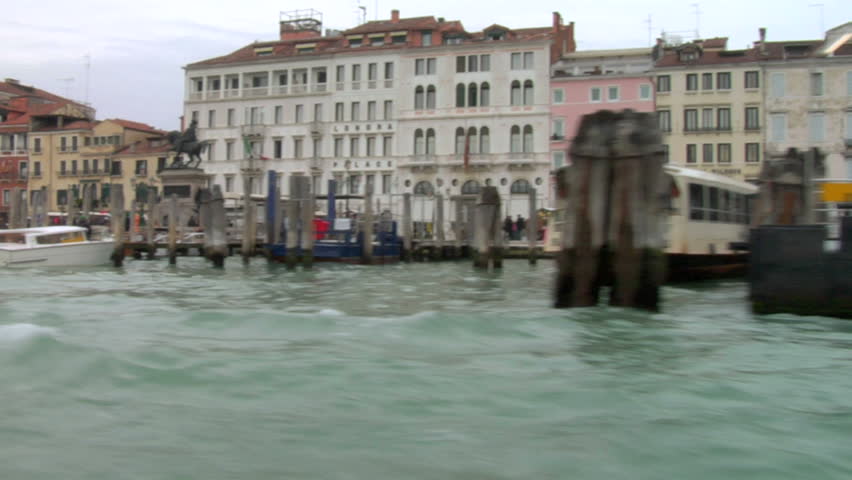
x,y
21,332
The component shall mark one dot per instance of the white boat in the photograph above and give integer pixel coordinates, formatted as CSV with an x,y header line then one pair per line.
x,y
52,246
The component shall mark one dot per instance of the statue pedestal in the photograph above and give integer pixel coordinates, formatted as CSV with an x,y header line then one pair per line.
x,y
185,184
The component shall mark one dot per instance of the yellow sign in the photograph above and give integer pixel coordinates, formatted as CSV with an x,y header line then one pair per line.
x,y
837,192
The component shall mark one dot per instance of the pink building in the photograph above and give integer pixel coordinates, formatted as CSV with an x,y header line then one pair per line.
x,y
584,82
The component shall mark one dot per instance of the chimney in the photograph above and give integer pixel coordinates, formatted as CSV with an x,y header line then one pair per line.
x,y
394,16
13,81
557,22
762,31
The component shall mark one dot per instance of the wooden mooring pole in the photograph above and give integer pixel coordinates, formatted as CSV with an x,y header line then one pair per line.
x,y
173,233
532,227
439,227
151,197
367,227
617,201
217,249
488,237
116,203
407,230
306,233
15,208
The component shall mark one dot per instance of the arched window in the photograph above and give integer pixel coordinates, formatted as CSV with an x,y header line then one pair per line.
x,y
516,93
515,139
460,141
471,94
430,142
520,186
418,98
424,188
418,142
528,92
460,95
484,141
470,187
528,139
430,97
484,94
472,141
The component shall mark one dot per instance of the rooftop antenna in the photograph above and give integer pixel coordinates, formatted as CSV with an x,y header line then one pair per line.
x,y
648,21
821,17
697,18
363,13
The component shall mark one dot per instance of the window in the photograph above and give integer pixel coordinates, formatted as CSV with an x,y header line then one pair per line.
x,y
520,186
386,183
696,201
317,112
515,62
515,93
485,63
356,76
752,118
298,148
470,187
644,91
484,94
430,142
473,63
707,81
612,94
426,38
419,142
707,153
354,147
388,71
558,126
664,120
356,111
528,139
558,159
558,96
724,152
424,188
471,95
752,152
528,60
229,151
816,84
231,116
371,146
595,94
723,116
388,110
515,139
752,79
690,120
430,97
528,92
354,183
37,168
371,110
691,82
141,169
420,66
431,66
707,119
776,85
778,125
691,153
74,143
484,140
460,141
338,147
63,167
73,167
460,92
299,114
277,148
461,64
37,145
355,42
338,112
664,84
816,127
372,73
723,80
418,98
387,146
211,118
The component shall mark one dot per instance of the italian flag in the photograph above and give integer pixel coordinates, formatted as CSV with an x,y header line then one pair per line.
x,y
249,151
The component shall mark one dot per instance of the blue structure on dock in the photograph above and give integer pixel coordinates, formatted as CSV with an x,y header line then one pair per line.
x,y
340,240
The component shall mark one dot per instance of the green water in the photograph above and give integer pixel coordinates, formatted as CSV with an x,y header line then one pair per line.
x,y
422,371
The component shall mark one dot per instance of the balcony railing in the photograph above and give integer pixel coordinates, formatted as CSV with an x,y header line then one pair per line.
x,y
255,130
280,90
300,88
356,85
232,93
196,95
319,87
371,84
213,94
256,92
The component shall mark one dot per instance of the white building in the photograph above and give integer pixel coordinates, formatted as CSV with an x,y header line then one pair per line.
x,y
393,103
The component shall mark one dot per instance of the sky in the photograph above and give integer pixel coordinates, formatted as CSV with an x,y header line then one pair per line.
x,y
126,58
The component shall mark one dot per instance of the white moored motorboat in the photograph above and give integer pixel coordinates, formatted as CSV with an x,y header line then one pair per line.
x,y
51,246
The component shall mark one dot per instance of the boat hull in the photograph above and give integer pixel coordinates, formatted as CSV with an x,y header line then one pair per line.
x,y
59,255
342,252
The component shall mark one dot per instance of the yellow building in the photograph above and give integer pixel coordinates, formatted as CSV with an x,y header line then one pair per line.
x,y
75,154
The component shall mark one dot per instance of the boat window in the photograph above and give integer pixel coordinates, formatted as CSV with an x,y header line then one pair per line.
x,y
696,201
714,204
12,238
726,206
55,238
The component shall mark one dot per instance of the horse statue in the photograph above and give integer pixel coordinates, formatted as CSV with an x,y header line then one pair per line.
x,y
188,143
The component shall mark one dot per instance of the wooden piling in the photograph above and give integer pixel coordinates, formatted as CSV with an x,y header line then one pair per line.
x,y
151,198
247,249
86,204
71,218
367,227
306,207
407,230
173,225
40,218
488,239
532,227
458,226
439,226
217,247
117,212
292,223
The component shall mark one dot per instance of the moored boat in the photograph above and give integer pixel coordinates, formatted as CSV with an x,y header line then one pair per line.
x,y
52,246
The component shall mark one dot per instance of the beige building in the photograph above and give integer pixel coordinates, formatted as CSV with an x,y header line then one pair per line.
x,y
809,97
71,153
709,104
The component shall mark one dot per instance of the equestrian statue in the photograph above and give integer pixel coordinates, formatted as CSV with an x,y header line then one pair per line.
x,y
188,143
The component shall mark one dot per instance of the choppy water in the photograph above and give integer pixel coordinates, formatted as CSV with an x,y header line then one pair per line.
x,y
420,371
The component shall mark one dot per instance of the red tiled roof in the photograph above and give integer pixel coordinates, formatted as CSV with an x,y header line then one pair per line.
x,y
671,58
413,23
718,42
143,147
135,125
17,90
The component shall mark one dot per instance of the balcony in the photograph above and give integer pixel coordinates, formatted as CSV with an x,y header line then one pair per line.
x,y
256,92
255,130
319,88
232,93
196,96
213,95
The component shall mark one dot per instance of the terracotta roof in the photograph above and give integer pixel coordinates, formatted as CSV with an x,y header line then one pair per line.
x,y
672,58
414,23
16,89
75,125
144,147
135,125
717,42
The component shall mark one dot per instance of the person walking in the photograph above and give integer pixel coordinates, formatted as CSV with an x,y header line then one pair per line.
x,y
520,226
508,226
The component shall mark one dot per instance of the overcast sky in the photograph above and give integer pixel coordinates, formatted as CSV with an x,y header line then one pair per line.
x,y
136,49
